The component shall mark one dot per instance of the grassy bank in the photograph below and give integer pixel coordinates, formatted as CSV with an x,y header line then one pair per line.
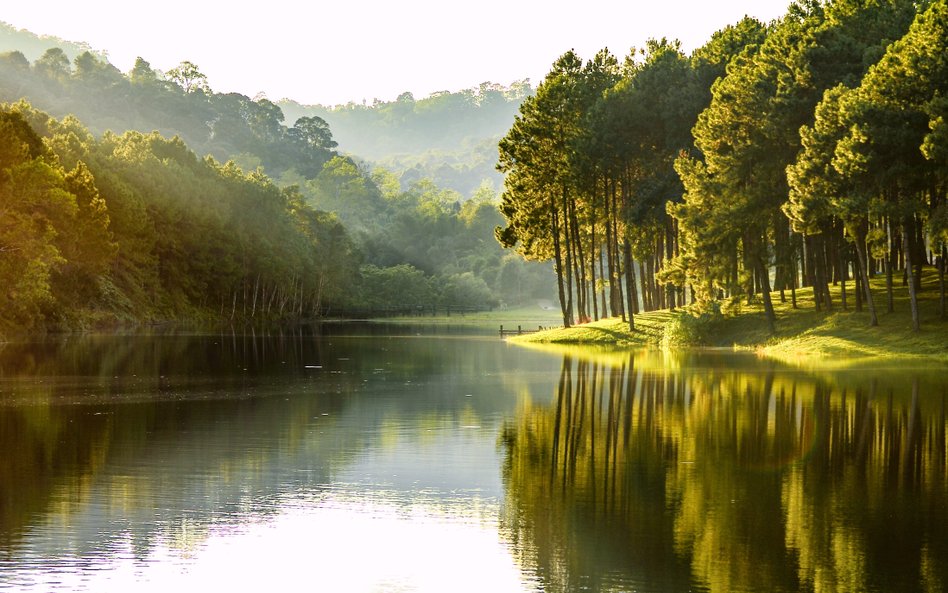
x,y
802,335
529,317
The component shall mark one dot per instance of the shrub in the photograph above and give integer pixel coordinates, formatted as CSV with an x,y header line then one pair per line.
x,y
693,327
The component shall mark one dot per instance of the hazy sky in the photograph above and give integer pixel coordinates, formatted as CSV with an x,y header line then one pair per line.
x,y
334,51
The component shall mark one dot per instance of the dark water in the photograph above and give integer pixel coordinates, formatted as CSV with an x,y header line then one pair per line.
x,y
422,459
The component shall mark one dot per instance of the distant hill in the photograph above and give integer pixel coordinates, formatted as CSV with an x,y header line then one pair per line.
x,y
33,46
448,137
421,235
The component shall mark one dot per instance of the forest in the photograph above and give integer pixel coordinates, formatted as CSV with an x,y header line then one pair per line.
x,y
806,152
809,151
110,215
450,138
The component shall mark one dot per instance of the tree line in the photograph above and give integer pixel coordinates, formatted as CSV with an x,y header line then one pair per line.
x,y
272,223
804,152
448,137
179,102
135,227
631,457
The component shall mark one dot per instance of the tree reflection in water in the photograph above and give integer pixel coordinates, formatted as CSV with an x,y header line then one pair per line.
x,y
664,474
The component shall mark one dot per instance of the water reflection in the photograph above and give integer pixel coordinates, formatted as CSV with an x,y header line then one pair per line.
x,y
664,473
149,462
361,461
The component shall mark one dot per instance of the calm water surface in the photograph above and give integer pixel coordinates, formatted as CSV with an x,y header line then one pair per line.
x,y
394,458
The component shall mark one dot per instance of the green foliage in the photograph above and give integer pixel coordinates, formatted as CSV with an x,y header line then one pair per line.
x,y
187,76
466,290
32,46
394,286
449,138
693,328
180,102
142,228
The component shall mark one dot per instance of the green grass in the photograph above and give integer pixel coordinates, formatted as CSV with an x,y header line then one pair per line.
x,y
802,336
529,317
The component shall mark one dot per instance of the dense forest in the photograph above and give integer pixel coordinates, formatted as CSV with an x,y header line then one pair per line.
x,y
804,152
109,214
808,151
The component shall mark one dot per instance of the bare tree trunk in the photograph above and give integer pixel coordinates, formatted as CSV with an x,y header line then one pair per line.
x,y
558,263
602,293
569,259
841,265
592,267
864,268
913,296
632,289
671,296
890,252
629,280
759,253
578,261
811,265
941,280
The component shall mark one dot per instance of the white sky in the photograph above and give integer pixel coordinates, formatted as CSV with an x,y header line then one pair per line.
x,y
335,51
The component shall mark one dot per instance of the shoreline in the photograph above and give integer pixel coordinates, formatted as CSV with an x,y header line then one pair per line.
x,y
804,336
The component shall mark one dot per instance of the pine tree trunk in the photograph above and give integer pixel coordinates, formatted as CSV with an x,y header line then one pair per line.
x,y
890,252
602,293
582,286
913,296
558,263
592,268
864,269
841,267
630,282
764,276
941,280
918,251
671,296
824,270
810,266
857,284
615,276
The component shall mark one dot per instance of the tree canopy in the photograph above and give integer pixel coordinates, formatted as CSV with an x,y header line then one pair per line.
x,y
774,157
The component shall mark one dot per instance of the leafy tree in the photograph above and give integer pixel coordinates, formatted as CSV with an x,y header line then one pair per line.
x,y
539,156
314,133
749,134
189,77
346,189
818,192
15,60
53,64
142,73
888,124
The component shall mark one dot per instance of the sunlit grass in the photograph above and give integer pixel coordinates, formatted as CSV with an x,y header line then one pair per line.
x,y
529,317
802,335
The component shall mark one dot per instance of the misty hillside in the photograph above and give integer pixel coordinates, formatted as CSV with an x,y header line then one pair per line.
x,y
278,218
450,138
32,45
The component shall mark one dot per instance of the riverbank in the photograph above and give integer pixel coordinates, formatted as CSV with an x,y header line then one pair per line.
x,y
802,335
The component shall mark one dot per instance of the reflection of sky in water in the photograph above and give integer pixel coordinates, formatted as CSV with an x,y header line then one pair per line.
x,y
369,499
329,544
456,465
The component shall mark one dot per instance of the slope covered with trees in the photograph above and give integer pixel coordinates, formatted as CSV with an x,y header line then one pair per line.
x,y
448,137
136,227
306,232
806,152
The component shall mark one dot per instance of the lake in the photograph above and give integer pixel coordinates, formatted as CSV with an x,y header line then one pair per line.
x,y
357,457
